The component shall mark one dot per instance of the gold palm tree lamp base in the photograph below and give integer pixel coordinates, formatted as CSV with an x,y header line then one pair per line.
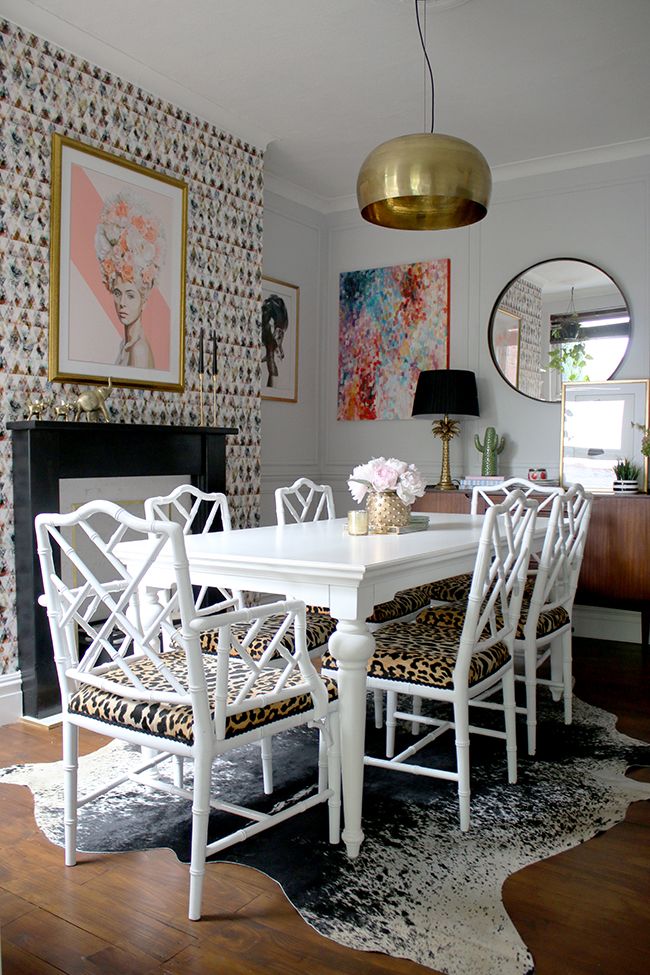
x,y
445,429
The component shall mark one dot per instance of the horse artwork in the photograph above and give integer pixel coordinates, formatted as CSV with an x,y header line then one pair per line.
x,y
279,339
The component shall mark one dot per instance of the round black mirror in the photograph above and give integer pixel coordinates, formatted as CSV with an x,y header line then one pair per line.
x,y
558,321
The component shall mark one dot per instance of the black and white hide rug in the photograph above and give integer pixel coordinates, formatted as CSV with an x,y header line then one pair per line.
x,y
420,888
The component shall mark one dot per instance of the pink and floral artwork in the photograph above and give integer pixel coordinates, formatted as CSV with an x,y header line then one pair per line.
x,y
118,239
393,323
117,270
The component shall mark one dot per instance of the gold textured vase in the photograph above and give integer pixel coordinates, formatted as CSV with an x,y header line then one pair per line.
x,y
386,511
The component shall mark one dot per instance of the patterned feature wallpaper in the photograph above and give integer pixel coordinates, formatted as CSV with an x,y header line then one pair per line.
x,y
44,90
524,299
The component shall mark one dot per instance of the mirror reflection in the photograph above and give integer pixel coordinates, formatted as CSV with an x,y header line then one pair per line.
x,y
558,321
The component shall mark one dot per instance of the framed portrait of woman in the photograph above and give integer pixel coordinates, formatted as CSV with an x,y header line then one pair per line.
x,y
117,271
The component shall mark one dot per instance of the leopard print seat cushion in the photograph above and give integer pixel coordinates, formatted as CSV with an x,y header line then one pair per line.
x,y
320,627
549,620
455,589
416,653
175,722
402,604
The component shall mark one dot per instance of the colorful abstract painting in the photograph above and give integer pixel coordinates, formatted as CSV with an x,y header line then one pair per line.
x,y
393,323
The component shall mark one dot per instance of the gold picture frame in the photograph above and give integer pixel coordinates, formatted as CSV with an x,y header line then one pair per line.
x,y
117,271
279,337
505,344
602,423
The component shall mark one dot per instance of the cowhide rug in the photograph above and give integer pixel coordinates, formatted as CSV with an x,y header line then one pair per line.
x,y
420,889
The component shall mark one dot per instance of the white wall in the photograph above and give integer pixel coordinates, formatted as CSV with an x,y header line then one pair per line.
x,y
598,213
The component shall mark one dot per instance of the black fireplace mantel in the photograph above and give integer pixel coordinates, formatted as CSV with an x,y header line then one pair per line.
x,y
44,452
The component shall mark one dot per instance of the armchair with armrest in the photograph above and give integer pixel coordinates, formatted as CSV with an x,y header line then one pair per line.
x,y
171,699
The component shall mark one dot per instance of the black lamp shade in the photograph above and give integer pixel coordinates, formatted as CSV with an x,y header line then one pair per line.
x,y
443,391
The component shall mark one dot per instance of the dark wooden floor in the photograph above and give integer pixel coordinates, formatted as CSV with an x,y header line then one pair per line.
x,y
583,912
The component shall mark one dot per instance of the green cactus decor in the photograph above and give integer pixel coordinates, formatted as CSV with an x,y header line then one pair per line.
x,y
489,449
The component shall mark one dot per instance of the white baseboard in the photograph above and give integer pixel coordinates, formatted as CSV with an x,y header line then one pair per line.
x,y
11,698
598,623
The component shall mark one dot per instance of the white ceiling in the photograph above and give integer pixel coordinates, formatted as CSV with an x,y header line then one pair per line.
x,y
319,83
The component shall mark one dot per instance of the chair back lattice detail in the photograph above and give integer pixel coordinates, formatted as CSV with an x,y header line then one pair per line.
x,y
556,576
462,658
304,501
110,612
129,682
498,579
547,616
197,511
544,499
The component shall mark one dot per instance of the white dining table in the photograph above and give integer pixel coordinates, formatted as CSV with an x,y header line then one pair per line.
x,y
323,565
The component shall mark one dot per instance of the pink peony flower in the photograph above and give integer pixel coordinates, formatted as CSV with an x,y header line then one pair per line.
x,y
384,478
380,474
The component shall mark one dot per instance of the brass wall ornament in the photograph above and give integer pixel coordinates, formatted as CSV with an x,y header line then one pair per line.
x,y
424,181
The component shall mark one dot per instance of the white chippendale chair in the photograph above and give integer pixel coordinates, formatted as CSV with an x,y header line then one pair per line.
x,y
545,621
196,509
173,700
456,588
305,500
461,658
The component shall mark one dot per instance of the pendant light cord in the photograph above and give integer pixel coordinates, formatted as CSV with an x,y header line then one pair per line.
x,y
426,58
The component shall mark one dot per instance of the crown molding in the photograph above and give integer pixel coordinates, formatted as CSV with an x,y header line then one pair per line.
x,y
508,171
571,160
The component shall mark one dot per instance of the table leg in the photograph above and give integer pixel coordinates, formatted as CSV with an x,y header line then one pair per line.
x,y
352,645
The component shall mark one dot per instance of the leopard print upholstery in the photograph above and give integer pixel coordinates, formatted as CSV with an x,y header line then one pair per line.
x,y
320,627
402,604
442,617
455,589
175,722
416,653
549,620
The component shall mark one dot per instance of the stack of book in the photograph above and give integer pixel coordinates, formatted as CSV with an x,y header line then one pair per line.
x,y
481,480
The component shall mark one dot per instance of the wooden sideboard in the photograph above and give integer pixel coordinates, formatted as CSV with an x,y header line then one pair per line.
x,y
616,565
46,451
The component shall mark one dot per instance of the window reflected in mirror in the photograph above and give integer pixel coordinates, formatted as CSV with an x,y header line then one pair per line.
x,y
559,321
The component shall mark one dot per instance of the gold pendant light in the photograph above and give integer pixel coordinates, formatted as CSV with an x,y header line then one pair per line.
x,y
424,181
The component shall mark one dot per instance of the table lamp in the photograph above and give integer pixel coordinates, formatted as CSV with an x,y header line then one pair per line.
x,y
445,391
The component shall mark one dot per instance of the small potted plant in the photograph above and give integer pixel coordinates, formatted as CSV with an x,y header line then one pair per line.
x,y
627,475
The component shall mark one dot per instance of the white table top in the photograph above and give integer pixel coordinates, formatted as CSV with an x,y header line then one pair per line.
x,y
322,564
